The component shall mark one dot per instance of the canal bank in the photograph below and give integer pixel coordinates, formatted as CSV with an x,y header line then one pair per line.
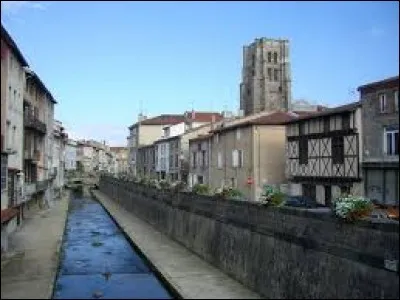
x,y
98,260
191,276
31,272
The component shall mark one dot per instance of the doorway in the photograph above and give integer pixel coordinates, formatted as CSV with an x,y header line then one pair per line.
x,y
328,195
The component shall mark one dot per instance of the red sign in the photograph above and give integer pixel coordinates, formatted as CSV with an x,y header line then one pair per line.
x,y
250,180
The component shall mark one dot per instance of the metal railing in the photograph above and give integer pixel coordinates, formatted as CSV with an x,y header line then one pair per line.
x,y
30,121
32,155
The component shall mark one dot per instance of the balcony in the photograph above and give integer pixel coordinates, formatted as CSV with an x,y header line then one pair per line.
x,y
33,155
32,122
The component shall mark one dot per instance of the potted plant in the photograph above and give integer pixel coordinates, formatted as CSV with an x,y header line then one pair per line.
x,y
352,208
271,196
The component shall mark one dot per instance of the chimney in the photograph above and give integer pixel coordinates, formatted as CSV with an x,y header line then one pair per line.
x,y
212,121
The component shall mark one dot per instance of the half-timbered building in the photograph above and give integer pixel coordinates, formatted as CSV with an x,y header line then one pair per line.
x,y
323,153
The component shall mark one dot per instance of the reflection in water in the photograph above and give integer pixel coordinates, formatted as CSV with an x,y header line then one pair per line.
x,y
97,260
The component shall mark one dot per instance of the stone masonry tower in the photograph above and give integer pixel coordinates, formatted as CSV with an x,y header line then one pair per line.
x,y
266,78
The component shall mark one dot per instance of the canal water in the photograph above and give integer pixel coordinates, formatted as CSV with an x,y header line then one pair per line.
x,y
98,262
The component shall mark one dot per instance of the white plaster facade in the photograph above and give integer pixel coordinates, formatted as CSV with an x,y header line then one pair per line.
x,y
14,126
58,155
70,155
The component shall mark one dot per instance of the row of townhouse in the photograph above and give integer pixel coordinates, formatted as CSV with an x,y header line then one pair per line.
x,y
92,157
244,154
321,154
121,160
150,141
29,135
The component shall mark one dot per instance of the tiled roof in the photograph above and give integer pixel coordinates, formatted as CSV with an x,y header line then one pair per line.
x,y
40,83
8,39
201,116
201,137
391,81
172,119
274,118
330,111
7,214
162,120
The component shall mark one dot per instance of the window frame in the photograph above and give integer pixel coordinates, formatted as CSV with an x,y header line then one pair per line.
x,y
303,150
337,149
194,159
346,121
327,124
219,160
392,133
238,133
235,158
240,158
276,75
269,71
382,102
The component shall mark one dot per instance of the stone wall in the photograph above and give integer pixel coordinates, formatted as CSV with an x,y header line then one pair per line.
x,y
277,252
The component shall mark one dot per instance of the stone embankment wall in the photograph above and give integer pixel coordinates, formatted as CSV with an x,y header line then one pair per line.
x,y
278,252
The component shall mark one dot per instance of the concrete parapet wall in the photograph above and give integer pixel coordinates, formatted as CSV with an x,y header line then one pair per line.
x,y
277,252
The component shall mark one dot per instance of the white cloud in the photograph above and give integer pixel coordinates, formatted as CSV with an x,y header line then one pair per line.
x,y
14,7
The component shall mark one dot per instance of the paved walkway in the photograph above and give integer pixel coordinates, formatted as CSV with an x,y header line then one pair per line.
x,y
191,276
31,272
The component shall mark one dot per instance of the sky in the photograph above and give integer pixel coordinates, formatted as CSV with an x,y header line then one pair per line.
x,y
104,62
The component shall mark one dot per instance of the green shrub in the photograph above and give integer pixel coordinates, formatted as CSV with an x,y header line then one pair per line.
x,y
229,193
272,196
352,208
201,189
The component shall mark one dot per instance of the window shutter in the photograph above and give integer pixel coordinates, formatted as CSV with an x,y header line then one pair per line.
x,y
235,158
219,160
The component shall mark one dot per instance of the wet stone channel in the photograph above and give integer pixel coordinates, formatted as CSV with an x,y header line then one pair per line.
x,y
97,260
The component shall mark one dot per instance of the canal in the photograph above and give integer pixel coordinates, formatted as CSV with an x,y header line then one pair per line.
x,y
98,261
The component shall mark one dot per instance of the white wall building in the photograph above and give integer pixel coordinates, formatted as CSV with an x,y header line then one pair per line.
x,y
70,155
58,155
14,127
